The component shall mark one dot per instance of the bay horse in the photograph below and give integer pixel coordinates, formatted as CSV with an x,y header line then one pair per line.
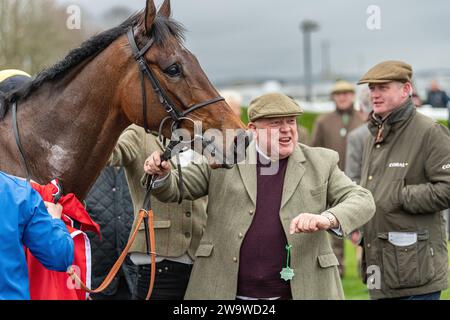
x,y
71,115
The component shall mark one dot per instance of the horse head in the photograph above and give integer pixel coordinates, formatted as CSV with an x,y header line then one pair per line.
x,y
165,75
71,114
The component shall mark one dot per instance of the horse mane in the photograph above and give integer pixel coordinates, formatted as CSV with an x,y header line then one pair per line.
x,y
162,29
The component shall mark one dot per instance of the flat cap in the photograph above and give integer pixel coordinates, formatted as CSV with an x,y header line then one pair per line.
x,y
273,105
342,86
388,71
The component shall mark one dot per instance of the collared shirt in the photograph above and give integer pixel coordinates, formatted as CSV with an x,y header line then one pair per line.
x,y
25,221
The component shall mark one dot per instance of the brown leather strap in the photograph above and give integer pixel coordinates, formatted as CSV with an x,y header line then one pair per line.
x,y
151,231
116,267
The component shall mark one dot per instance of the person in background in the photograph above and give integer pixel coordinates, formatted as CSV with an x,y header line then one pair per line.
x,y
406,166
357,138
109,204
353,162
331,131
178,227
436,97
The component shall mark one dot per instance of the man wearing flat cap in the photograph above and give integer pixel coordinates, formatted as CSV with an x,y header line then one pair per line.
x,y
12,79
406,165
268,217
331,131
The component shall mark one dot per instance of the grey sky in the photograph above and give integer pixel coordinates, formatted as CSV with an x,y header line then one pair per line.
x,y
261,38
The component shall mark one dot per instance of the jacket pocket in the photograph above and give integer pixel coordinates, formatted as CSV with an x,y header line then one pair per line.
x,y
407,266
204,250
162,224
328,260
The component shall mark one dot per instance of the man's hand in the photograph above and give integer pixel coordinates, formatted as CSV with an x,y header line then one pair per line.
x,y
154,167
308,223
55,210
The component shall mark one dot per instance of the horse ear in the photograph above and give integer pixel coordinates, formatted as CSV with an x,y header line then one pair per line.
x,y
150,15
165,9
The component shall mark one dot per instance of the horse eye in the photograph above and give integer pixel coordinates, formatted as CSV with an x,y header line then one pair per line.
x,y
173,71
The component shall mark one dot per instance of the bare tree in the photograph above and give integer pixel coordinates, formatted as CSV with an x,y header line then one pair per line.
x,y
34,35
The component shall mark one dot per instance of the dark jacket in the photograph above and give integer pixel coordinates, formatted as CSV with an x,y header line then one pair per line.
x,y
408,173
109,204
331,130
437,99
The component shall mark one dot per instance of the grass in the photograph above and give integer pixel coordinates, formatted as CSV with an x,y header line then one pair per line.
x,y
353,287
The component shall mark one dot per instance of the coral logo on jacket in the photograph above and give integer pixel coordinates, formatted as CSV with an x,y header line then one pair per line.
x,y
398,164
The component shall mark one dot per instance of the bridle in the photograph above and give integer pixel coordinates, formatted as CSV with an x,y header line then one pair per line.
x,y
171,109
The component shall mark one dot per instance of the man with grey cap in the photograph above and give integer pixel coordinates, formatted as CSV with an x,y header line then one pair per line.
x,y
266,234
406,165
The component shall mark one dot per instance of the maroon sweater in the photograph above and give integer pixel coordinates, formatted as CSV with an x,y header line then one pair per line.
x,y
263,253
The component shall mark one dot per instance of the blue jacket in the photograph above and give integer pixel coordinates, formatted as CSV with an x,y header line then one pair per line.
x,y
24,221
